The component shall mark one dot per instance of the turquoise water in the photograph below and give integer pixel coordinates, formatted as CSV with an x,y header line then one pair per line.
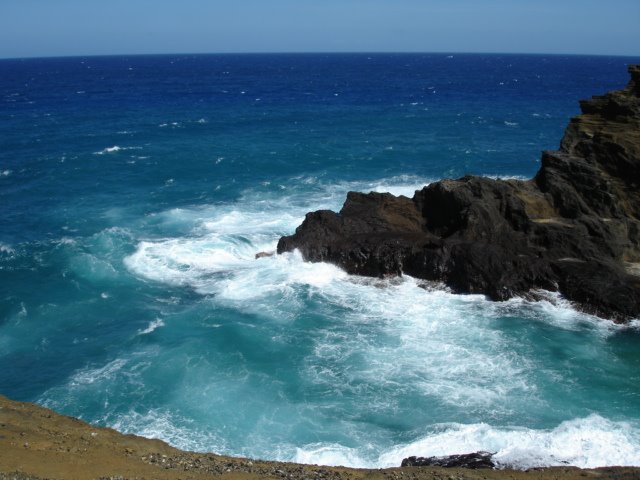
x,y
135,192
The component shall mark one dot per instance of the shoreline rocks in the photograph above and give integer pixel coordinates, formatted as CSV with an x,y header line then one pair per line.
x,y
573,228
472,461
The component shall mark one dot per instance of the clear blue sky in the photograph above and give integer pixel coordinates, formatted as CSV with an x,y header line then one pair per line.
x,y
94,27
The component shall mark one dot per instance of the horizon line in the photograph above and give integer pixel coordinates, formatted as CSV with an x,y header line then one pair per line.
x,y
355,52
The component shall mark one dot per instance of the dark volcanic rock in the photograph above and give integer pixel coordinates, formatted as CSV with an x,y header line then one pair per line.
x,y
575,227
467,460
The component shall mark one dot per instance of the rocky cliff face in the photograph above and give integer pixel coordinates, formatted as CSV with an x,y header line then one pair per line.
x,y
574,227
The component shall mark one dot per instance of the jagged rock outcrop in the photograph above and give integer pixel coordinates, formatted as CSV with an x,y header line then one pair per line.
x,y
467,460
574,227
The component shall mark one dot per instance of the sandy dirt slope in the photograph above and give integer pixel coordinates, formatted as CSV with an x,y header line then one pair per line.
x,y
38,443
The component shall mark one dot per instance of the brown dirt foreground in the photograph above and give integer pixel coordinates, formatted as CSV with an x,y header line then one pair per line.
x,y
37,443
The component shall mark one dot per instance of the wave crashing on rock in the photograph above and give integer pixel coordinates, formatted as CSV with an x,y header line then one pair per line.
x,y
573,228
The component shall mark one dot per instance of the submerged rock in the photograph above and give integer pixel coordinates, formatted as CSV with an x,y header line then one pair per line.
x,y
467,460
573,228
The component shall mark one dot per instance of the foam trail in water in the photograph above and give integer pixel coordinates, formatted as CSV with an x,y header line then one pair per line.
x,y
115,149
554,309
167,426
153,325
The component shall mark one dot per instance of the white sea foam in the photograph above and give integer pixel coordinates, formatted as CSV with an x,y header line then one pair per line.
x,y
153,325
585,442
93,375
330,454
436,348
114,149
430,352
552,308
116,378
66,241
217,256
5,173
505,177
170,427
6,249
190,261
235,221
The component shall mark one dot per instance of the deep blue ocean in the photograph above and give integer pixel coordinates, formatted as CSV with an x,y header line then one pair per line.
x,y
135,192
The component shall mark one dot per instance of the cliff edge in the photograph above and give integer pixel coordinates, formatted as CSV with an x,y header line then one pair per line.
x,y
573,228
37,443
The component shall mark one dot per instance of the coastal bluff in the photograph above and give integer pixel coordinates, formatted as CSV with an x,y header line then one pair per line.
x,y
37,443
573,228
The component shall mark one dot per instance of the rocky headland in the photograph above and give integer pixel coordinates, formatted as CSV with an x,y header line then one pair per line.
x,y
573,228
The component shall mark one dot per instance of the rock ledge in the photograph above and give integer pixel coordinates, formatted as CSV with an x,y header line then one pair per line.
x,y
467,460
